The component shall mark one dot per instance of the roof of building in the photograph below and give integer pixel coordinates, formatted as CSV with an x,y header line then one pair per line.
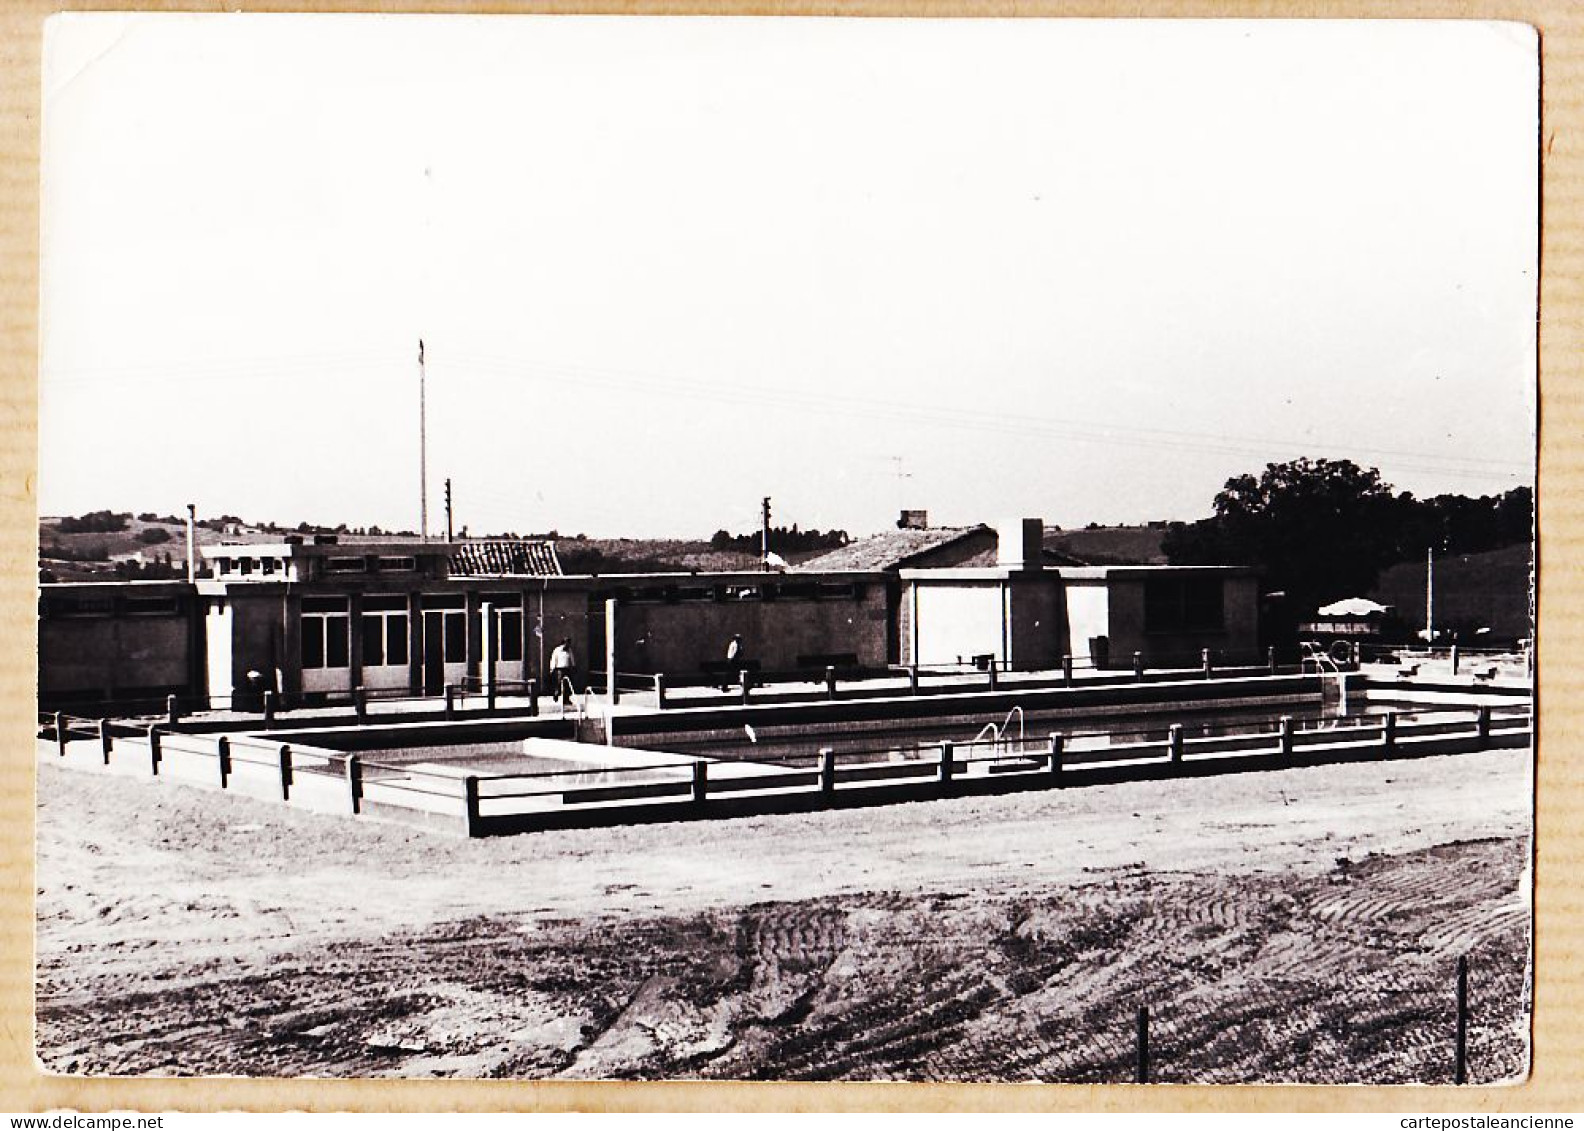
x,y
892,549
1058,558
505,556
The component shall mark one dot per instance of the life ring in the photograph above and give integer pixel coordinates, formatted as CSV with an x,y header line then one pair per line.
x,y
1342,651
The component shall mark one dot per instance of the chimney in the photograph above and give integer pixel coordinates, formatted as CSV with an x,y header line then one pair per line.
x,y
192,542
913,520
1020,543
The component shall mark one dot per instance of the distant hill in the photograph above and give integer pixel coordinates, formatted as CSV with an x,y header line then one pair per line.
x,y
647,555
1472,591
1110,545
85,555
95,555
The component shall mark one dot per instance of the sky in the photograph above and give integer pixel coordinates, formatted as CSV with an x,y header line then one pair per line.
x,y
1083,270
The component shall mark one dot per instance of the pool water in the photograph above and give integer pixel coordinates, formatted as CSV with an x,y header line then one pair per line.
x,y
802,745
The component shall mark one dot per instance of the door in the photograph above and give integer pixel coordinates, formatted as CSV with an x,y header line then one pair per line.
x,y
433,653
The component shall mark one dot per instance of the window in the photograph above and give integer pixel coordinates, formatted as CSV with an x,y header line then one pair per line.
x,y
509,635
1183,604
346,565
396,565
83,607
456,638
326,633
385,632
269,565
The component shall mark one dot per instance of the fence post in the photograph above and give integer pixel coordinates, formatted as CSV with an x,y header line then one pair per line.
x,y
1270,659
830,681
1460,1070
1138,665
269,708
827,769
354,777
60,733
1389,734
359,704
223,756
285,772
154,750
533,698
1482,727
1209,670
1053,760
700,781
1454,659
1141,1065
1066,671
946,766
1174,743
450,701
470,804
743,678
913,682
660,698
171,714
1286,736
104,740
489,694
990,669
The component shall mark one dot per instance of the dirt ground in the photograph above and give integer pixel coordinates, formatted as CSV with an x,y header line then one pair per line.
x,y
1302,925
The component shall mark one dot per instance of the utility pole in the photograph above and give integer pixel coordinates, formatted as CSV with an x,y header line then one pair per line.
x,y
192,543
1430,595
449,536
764,534
423,452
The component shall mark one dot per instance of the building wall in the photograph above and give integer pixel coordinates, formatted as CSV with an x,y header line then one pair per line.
x,y
1088,608
1237,640
117,641
682,636
958,621
1038,623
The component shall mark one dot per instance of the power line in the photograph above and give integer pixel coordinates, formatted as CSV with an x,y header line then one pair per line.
x,y
1078,431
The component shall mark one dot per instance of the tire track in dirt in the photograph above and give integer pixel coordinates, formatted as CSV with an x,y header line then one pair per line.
x,y
1258,978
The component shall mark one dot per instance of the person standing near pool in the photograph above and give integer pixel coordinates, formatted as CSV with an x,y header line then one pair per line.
x,y
733,655
562,666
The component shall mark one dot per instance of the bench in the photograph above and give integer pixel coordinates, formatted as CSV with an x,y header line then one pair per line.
x,y
823,660
723,673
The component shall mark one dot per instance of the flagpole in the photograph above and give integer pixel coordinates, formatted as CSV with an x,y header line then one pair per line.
x,y
423,452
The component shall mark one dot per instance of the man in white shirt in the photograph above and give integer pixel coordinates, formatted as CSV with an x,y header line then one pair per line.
x,y
562,666
733,653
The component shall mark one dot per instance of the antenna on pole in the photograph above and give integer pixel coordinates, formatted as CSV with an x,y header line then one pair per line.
x,y
423,452
449,536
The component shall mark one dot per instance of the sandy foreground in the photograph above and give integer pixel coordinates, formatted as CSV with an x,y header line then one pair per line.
x,y
1293,925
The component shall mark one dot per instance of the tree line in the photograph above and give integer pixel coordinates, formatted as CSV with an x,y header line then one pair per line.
x,y
783,540
1320,530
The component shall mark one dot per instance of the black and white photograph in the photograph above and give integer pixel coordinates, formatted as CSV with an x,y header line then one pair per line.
x,y
787,549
